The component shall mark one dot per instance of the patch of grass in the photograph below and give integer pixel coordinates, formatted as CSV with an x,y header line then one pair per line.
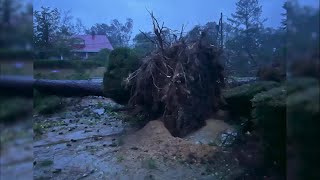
x,y
38,64
135,121
213,143
38,129
46,163
62,74
120,141
86,112
99,105
110,109
79,76
180,160
120,158
92,150
44,104
149,163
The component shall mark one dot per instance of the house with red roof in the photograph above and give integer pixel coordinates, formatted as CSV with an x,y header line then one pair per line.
x,y
88,45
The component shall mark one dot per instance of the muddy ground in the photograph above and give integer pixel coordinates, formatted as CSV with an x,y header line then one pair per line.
x,y
87,140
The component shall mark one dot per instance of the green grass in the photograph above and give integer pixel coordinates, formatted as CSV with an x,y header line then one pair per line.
x,y
48,104
69,73
46,163
149,163
136,121
120,158
99,105
67,64
120,141
40,128
213,143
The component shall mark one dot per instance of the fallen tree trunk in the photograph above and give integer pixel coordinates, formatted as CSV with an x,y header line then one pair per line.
x,y
69,87
23,86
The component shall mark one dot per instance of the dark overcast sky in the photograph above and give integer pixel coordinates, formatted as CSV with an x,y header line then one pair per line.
x,y
173,12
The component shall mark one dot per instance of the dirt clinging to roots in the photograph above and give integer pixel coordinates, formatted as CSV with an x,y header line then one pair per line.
x,y
181,85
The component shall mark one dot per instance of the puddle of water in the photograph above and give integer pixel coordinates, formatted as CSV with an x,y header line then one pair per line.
x,y
227,138
210,132
99,111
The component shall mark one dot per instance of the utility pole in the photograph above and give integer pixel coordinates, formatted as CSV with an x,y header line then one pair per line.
x,y
221,31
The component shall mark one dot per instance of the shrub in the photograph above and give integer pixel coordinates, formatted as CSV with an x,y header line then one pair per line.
x,y
122,62
269,115
300,84
271,73
44,104
102,56
303,129
238,98
291,110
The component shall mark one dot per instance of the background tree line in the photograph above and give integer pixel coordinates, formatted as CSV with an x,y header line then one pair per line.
x,y
247,43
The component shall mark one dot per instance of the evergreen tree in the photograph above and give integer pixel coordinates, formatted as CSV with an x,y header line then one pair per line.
x,y
247,23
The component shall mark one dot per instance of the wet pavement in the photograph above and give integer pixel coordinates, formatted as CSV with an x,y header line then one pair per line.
x,y
87,140
79,141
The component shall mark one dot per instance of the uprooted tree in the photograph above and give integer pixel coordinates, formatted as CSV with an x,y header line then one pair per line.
x,y
178,83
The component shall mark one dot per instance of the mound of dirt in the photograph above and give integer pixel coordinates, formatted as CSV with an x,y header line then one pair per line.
x,y
154,140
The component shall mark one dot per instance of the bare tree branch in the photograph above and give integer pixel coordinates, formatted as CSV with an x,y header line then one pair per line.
x,y
181,33
157,31
147,37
